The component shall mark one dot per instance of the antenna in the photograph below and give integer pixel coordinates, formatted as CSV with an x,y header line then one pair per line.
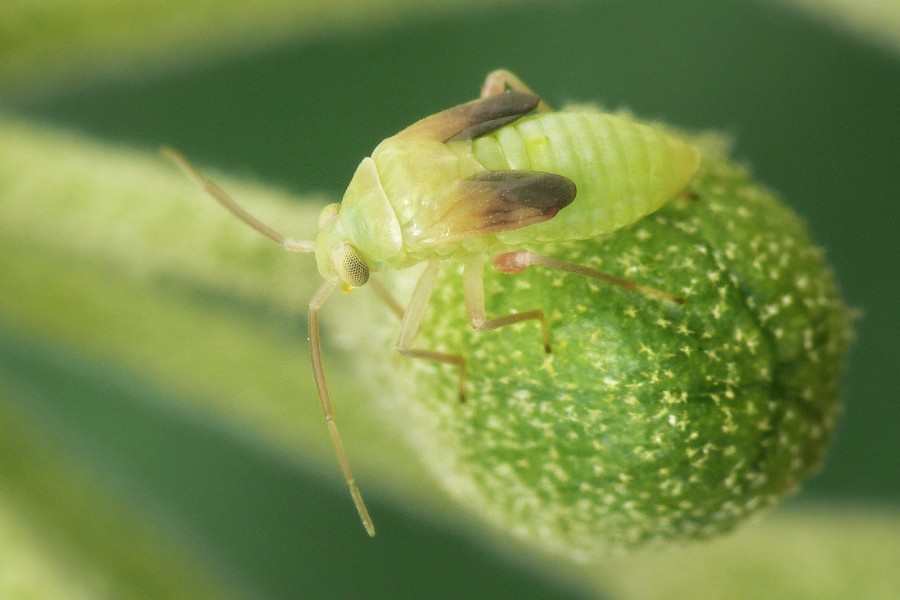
x,y
228,202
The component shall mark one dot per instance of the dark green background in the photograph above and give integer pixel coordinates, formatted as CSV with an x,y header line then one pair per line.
x,y
814,111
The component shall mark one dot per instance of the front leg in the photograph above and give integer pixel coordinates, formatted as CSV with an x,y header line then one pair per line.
x,y
315,346
412,318
501,80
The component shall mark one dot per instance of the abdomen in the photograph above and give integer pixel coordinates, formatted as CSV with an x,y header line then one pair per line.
x,y
623,170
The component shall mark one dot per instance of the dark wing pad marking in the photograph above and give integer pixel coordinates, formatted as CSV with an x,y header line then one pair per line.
x,y
494,201
528,188
472,119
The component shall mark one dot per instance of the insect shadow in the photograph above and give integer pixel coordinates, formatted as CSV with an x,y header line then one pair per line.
x,y
487,178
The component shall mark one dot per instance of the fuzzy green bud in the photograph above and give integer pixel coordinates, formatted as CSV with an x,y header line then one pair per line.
x,y
649,421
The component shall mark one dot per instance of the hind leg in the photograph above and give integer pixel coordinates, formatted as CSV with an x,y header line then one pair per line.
x,y
502,80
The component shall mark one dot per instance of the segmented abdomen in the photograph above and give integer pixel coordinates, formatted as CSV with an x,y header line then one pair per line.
x,y
623,170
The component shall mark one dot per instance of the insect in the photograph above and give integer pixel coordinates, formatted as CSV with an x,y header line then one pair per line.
x,y
485,179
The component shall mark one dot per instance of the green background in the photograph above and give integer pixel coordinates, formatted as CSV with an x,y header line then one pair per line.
x,y
813,110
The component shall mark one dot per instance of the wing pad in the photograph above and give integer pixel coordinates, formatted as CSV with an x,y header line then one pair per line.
x,y
495,201
472,119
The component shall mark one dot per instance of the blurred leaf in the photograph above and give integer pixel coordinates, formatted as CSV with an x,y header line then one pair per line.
x,y
48,42
116,254
63,535
877,21
808,553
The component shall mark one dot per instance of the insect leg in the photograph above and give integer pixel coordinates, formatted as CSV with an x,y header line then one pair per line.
x,y
502,80
228,202
386,296
473,286
413,318
319,373
516,262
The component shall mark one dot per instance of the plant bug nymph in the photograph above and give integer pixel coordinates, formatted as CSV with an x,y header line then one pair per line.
x,y
484,179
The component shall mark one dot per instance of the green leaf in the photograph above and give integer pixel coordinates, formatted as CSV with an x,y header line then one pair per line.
x,y
805,553
64,534
52,42
873,20
112,254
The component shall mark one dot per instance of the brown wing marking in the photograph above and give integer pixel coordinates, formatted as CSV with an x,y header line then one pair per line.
x,y
475,118
494,201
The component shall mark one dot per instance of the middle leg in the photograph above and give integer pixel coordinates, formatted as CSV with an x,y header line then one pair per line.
x,y
473,286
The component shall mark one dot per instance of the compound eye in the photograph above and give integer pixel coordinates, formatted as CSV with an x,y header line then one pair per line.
x,y
351,267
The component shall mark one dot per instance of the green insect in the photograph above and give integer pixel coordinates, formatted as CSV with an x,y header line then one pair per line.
x,y
486,179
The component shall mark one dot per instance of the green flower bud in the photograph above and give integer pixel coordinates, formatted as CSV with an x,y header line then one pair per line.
x,y
649,421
